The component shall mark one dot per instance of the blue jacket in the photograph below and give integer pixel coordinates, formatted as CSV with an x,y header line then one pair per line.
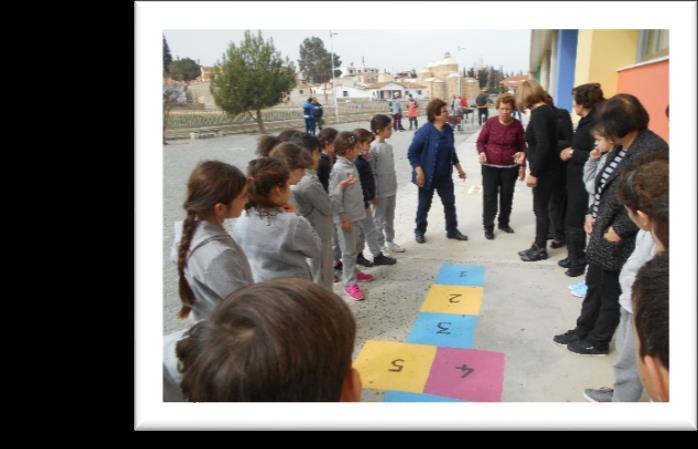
x,y
423,151
308,109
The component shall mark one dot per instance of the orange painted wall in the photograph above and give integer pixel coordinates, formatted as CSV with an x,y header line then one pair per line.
x,y
650,84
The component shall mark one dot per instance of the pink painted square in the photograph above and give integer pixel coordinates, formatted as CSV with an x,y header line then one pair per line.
x,y
468,374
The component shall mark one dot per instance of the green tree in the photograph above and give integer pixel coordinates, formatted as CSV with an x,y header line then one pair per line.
x,y
166,56
471,72
315,62
251,77
481,77
184,69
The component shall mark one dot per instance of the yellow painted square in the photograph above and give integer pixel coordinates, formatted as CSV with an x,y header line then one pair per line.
x,y
388,365
457,299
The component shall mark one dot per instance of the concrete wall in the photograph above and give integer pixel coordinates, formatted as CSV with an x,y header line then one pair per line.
x,y
650,84
566,64
600,53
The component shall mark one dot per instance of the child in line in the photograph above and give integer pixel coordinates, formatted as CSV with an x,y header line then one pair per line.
x,y
641,185
276,240
383,165
324,167
651,326
592,167
348,210
296,159
314,204
211,265
288,340
368,232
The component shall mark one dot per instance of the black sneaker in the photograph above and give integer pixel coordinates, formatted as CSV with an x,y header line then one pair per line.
x,y
506,229
573,272
456,235
583,347
382,259
565,263
566,338
557,243
361,260
534,254
420,238
489,234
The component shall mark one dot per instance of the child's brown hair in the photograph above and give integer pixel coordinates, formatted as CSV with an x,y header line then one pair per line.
x,y
364,135
210,183
292,155
287,340
344,142
264,174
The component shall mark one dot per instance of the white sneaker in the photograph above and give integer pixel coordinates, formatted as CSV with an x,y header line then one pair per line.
x,y
394,247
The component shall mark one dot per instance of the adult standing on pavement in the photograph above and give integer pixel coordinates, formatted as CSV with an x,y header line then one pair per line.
x,y
317,114
308,116
611,231
586,101
499,140
481,102
432,155
396,111
544,164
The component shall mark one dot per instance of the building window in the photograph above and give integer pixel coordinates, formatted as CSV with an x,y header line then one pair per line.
x,y
345,93
653,44
301,91
419,92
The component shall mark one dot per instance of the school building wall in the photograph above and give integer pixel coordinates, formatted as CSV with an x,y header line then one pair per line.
x,y
600,53
649,82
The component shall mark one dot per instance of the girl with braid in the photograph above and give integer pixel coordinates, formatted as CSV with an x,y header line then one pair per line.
x,y
211,265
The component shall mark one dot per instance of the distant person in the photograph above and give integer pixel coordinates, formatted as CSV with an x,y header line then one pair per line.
x,y
287,340
308,116
412,113
463,101
499,140
317,114
482,103
432,155
396,110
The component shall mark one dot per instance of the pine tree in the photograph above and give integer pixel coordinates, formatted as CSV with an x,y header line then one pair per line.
x,y
166,56
251,77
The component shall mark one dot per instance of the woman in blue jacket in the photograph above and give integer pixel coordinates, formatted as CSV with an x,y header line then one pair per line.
x,y
432,155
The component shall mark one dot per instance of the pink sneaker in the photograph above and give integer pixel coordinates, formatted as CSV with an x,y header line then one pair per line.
x,y
364,277
355,292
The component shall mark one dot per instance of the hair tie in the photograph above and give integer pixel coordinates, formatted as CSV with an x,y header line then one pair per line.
x,y
250,178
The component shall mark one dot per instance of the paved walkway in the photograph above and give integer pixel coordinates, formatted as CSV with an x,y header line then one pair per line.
x,y
523,305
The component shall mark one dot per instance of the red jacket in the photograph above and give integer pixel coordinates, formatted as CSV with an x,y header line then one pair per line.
x,y
500,142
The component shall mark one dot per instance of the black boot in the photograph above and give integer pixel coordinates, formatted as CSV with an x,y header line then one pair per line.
x,y
575,271
565,263
506,228
381,259
489,234
534,254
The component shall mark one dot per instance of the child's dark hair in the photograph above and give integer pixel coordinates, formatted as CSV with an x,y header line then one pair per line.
x,y
327,136
287,340
644,180
344,142
210,183
264,174
364,135
650,295
292,155
307,142
660,219
286,134
379,122
265,144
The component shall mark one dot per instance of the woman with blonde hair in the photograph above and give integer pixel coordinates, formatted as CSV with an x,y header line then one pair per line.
x,y
545,167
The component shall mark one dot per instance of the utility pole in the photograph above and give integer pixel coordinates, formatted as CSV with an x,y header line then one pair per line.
x,y
460,78
334,93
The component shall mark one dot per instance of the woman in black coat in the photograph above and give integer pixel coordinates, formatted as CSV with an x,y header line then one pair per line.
x,y
612,233
545,167
586,101
558,202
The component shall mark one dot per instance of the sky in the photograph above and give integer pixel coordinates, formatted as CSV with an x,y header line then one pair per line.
x,y
394,50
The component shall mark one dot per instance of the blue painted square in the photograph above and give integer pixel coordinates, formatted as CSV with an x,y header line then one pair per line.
x,y
443,329
458,274
402,396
